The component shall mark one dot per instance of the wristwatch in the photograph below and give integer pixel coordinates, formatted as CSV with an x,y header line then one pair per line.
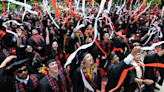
x,y
143,81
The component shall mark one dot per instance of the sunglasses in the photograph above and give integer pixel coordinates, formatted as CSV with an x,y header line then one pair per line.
x,y
20,71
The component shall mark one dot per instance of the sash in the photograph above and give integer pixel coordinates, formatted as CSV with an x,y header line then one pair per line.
x,y
139,74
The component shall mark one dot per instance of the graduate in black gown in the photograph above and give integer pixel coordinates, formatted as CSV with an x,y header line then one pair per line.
x,y
54,50
91,74
153,72
21,81
135,79
55,80
107,45
116,67
3,53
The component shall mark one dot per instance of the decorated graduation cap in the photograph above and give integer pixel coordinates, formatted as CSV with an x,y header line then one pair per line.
x,y
48,60
17,64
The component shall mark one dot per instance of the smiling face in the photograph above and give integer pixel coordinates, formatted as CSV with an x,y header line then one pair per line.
x,y
55,46
53,67
88,59
21,72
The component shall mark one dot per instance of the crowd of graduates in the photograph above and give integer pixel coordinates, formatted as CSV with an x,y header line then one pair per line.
x,y
33,61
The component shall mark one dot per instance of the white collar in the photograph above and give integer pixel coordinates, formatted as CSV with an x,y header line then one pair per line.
x,y
39,26
25,81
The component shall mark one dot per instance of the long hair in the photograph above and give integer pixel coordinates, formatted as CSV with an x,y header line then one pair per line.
x,y
54,53
84,66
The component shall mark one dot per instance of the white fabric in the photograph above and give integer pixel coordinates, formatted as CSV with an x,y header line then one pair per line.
x,y
128,59
71,57
44,6
138,69
25,81
152,46
162,12
86,84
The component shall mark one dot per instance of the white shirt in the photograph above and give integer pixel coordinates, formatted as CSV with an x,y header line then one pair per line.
x,y
25,81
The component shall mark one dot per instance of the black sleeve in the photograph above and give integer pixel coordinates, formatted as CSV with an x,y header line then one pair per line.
x,y
4,78
99,80
71,44
21,53
32,43
77,77
116,70
112,45
48,49
151,58
132,76
44,86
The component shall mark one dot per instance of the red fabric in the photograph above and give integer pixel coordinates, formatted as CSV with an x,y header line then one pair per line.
x,y
124,73
13,50
55,7
117,49
4,9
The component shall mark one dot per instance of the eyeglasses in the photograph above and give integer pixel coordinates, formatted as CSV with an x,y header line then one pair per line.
x,y
20,71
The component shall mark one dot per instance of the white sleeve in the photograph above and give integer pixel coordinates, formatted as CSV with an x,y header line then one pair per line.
x,y
128,59
73,35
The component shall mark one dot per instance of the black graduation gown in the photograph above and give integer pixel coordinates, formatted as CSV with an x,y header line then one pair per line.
x,y
113,74
93,51
44,85
7,83
2,57
149,72
78,85
35,48
22,54
73,64
120,43
103,62
129,84
57,56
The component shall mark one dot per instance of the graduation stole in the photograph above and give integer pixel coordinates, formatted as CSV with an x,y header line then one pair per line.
x,y
91,78
39,29
19,86
139,74
76,46
54,84
104,46
23,38
59,64
59,59
5,53
65,42
37,58
38,40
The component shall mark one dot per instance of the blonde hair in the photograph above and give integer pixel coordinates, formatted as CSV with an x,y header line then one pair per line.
x,y
84,65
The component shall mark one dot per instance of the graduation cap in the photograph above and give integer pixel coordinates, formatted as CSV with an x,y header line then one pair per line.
x,y
17,64
110,57
82,54
48,60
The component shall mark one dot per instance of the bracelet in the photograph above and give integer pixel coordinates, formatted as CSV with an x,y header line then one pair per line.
x,y
143,81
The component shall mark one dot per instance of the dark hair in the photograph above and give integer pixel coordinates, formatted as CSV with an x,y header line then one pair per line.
x,y
53,51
